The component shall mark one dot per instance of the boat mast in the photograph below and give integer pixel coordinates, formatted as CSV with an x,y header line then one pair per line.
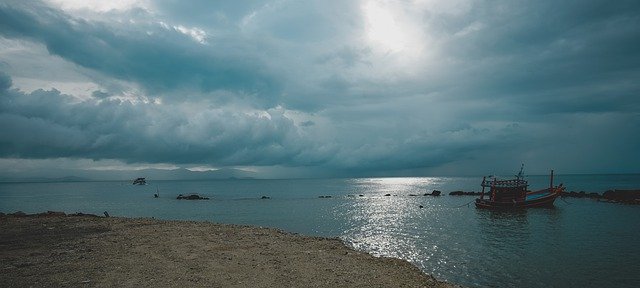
x,y
551,181
520,175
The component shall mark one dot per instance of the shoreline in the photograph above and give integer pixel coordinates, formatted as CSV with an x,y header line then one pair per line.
x,y
57,250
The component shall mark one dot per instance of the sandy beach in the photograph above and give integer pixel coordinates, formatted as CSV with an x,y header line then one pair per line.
x,y
84,251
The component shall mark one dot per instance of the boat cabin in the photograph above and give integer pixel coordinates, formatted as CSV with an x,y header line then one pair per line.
x,y
140,181
505,190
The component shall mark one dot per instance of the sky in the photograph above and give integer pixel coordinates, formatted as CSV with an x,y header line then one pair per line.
x,y
286,88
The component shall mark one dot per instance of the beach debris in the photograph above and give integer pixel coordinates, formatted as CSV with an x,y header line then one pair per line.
x,y
387,194
265,197
324,196
106,214
421,206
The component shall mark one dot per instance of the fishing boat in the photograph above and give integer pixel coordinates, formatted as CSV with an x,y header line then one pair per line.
x,y
140,181
514,193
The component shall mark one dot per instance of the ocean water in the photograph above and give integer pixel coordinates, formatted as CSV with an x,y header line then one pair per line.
x,y
578,243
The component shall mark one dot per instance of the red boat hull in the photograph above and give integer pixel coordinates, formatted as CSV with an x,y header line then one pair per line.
x,y
545,200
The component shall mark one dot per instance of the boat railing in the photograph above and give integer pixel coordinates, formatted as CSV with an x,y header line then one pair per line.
x,y
505,183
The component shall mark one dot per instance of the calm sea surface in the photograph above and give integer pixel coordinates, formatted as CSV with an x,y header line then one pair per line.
x,y
579,243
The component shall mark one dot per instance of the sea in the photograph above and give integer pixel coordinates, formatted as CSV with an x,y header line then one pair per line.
x,y
577,243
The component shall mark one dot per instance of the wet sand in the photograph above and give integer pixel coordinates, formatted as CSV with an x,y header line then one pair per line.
x,y
84,251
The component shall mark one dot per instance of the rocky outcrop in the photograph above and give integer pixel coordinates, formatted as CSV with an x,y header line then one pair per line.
x,y
462,193
581,194
435,193
622,196
191,197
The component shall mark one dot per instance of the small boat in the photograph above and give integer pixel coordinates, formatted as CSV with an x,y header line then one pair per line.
x,y
140,181
514,193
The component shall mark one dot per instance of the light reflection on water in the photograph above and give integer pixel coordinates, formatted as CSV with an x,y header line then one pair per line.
x,y
524,248
571,245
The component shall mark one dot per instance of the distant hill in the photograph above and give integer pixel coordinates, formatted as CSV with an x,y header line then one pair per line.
x,y
45,179
185,174
150,174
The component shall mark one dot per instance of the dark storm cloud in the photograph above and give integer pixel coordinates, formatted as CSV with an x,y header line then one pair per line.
x,y
159,60
581,54
5,81
48,124
301,84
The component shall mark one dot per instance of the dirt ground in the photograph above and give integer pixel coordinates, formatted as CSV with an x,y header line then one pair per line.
x,y
84,251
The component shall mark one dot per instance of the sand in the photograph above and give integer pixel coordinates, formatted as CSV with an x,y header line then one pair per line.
x,y
83,251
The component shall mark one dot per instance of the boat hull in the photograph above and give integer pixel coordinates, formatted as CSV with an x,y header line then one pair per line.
x,y
543,198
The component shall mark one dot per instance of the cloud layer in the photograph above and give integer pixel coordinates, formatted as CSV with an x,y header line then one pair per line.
x,y
333,88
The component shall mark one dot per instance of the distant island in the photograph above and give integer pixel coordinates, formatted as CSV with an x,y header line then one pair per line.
x,y
128,175
45,180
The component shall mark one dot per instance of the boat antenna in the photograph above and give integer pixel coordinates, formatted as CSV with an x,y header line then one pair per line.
x,y
520,175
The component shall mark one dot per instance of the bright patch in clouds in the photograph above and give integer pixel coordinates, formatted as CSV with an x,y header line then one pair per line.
x,y
394,31
196,33
382,27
